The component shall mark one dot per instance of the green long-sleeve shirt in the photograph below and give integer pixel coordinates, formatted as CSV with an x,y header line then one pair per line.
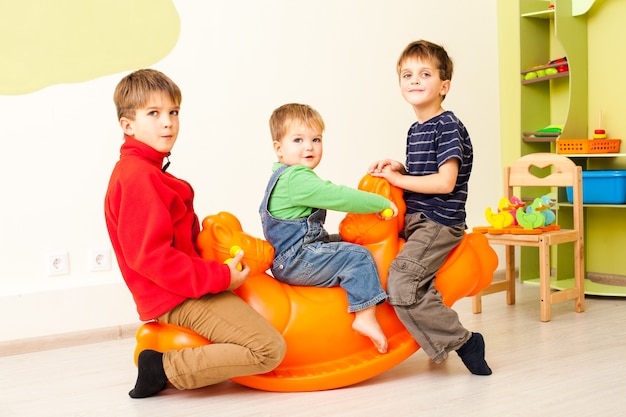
x,y
299,191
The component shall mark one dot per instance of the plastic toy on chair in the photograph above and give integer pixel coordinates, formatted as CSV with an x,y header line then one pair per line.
x,y
511,205
505,216
323,352
515,217
500,220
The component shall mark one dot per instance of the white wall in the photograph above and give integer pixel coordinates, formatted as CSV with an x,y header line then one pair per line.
x,y
235,62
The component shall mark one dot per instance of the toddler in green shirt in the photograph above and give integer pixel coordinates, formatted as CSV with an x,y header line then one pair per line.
x,y
293,213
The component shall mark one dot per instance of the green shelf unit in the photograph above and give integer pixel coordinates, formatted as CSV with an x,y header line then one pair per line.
x,y
543,34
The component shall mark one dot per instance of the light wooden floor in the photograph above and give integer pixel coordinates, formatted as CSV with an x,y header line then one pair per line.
x,y
574,365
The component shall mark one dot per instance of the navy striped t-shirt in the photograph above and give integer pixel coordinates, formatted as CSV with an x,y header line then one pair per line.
x,y
428,146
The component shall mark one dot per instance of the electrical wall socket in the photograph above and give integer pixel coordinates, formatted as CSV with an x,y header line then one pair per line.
x,y
99,260
57,263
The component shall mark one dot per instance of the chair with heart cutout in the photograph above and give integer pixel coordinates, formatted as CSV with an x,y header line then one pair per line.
x,y
535,174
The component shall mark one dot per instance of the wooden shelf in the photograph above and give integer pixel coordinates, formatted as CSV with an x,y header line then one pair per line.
x,y
543,67
546,77
534,137
542,134
531,139
541,14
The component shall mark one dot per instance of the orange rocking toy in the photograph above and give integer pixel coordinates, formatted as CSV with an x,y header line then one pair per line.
x,y
323,352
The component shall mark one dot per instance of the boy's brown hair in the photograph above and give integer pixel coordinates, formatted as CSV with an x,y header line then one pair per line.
x,y
287,114
432,52
135,89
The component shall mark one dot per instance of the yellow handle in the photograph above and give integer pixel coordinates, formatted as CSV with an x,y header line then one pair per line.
x,y
234,250
387,213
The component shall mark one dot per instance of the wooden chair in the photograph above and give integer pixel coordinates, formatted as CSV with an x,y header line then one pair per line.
x,y
525,173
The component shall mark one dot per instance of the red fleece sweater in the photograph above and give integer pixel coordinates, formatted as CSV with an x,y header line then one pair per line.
x,y
153,229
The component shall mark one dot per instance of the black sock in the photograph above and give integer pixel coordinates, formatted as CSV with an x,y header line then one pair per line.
x,y
151,376
472,354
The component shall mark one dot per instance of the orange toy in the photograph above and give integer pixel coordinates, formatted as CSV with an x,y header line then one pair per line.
x,y
323,352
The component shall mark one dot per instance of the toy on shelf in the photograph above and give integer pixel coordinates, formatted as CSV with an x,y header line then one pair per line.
x,y
588,146
599,133
599,144
561,64
553,69
547,134
323,351
549,131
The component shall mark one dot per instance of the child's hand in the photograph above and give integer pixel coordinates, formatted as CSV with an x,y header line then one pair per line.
x,y
391,172
378,167
395,210
237,277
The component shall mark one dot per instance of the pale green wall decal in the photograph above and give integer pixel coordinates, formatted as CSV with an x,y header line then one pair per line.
x,y
44,42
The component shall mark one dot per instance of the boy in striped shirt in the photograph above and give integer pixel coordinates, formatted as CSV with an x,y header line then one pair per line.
x,y
438,165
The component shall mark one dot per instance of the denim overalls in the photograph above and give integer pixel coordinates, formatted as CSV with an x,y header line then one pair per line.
x,y
304,255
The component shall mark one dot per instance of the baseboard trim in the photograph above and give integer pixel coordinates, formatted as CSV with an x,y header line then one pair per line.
x,y
57,341
500,274
607,279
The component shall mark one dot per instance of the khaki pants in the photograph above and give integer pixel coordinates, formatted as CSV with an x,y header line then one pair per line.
x,y
411,290
243,342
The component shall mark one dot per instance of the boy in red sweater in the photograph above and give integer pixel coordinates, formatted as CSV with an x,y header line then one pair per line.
x,y
153,229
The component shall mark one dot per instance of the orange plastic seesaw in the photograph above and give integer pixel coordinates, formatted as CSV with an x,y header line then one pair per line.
x,y
323,352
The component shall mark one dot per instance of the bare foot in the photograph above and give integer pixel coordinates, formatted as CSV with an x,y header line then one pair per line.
x,y
366,324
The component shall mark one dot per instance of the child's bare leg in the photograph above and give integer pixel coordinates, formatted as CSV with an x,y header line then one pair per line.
x,y
365,323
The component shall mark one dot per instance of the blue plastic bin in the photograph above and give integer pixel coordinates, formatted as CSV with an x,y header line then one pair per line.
x,y
602,187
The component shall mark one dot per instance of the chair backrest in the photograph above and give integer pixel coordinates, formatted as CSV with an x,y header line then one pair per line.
x,y
563,173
